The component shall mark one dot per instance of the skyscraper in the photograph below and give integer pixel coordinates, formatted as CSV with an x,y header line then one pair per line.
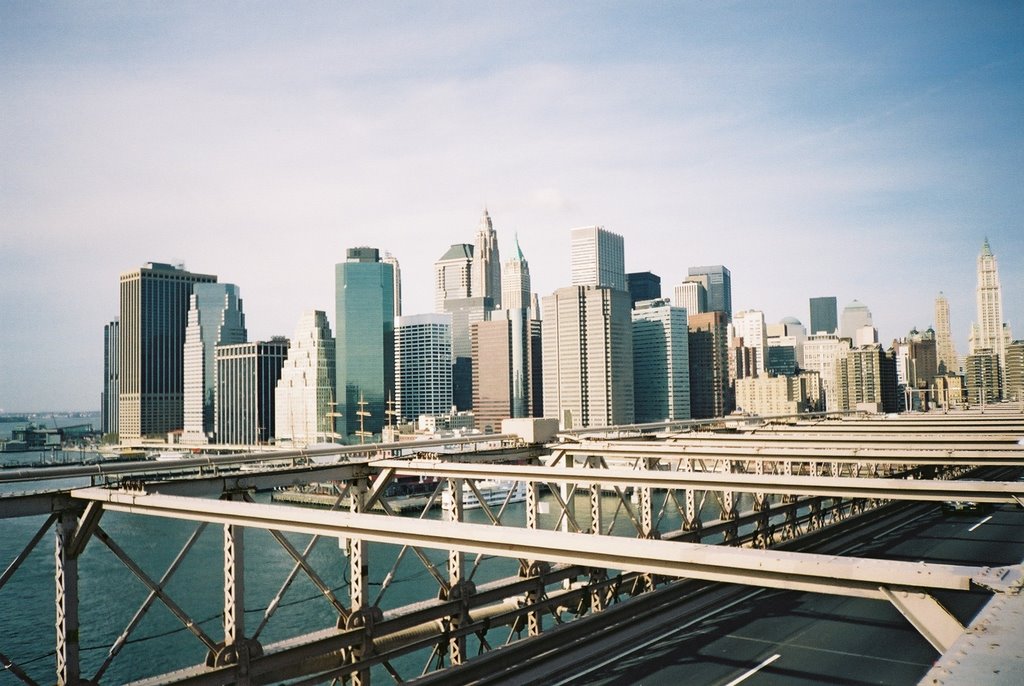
x,y
709,376
643,286
588,356
598,258
453,275
364,343
749,325
304,396
866,379
948,361
515,281
154,302
719,287
990,334
464,313
823,315
856,316
486,262
393,261
661,362
214,318
502,365
247,375
823,354
111,379
692,295
423,365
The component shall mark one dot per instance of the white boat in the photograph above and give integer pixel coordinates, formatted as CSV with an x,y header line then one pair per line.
x,y
494,493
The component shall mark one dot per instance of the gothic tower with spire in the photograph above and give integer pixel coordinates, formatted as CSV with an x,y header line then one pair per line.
x,y
988,332
515,281
486,263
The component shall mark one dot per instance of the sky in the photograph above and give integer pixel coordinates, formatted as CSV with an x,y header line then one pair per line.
x,y
863,150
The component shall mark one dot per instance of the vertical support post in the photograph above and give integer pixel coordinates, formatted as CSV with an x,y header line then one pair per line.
x,y
691,523
763,507
359,585
234,584
792,527
569,461
534,623
456,577
66,579
594,463
646,506
729,511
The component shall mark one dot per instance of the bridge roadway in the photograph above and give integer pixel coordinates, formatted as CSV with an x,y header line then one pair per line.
x,y
719,634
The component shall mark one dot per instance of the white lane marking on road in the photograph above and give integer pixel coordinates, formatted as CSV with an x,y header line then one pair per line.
x,y
980,523
755,670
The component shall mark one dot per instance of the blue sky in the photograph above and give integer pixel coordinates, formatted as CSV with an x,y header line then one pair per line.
x,y
863,150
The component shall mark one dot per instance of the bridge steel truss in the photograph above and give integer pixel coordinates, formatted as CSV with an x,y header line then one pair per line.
x,y
675,503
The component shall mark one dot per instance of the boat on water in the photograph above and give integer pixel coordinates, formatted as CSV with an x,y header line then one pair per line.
x,y
494,493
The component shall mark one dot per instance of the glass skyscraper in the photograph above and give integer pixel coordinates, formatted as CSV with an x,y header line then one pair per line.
x,y
824,312
719,287
364,342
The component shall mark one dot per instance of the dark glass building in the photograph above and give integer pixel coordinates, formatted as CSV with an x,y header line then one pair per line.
x,y
719,287
824,317
364,343
643,286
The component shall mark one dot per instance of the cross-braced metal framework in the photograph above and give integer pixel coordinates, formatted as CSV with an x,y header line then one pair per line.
x,y
601,521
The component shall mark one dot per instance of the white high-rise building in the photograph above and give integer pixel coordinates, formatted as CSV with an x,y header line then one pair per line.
x,y
423,365
214,318
749,325
515,282
823,353
855,316
304,397
661,362
990,334
587,357
486,262
944,347
598,258
691,294
453,275
393,261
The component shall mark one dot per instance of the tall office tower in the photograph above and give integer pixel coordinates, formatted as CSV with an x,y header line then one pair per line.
x,y
588,357
515,282
823,315
990,334
866,380
709,364
397,284
719,287
856,316
1013,377
153,315
749,325
598,258
983,378
364,343
111,379
423,365
502,362
948,361
453,275
214,318
823,353
661,362
486,269
464,313
247,375
304,396
923,356
643,286
691,295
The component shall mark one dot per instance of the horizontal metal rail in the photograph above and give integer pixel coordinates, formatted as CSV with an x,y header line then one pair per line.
x,y
858,577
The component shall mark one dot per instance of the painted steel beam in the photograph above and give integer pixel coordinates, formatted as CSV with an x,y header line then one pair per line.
x,y
856,577
1001,456
839,487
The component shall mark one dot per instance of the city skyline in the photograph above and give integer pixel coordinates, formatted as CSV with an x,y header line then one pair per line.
x,y
859,152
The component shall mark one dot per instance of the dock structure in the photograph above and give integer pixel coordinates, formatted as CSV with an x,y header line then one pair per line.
x,y
610,522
